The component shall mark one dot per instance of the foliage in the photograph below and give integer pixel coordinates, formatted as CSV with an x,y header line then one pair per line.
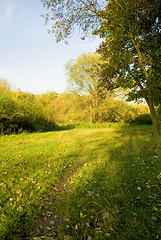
x,y
67,16
131,31
46,104
22,111
7,113
84,78
112,110
143,119
68,108
75,109
19,112
132,46
113,190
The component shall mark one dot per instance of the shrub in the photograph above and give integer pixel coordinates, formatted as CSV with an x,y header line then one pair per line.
x,y
20,112
143,119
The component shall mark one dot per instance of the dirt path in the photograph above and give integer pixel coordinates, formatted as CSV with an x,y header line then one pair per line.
x,y
50,222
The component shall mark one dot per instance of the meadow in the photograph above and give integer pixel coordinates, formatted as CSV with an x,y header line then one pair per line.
x,y
104,181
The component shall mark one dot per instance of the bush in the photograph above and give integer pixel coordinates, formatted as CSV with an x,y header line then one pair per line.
x,y
19,112
143,119
112,110
7,114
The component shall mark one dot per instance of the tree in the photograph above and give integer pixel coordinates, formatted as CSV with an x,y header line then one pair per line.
x,y
69,108
70,15
83,78
132,41
45,103
21,111
132,45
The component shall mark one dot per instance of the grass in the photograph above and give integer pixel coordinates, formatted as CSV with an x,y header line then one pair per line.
x,y
114,191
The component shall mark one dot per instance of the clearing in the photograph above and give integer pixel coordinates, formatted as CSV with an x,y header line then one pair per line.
x,y
86,183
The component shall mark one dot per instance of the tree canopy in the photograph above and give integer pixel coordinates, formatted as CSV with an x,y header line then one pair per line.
x,y
131,30
84,78
132,45
66,16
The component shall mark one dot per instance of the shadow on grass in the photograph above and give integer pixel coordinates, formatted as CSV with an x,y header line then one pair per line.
x,y
55,127
116,195
38,128
65,127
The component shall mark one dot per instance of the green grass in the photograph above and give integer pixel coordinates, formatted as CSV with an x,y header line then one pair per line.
x,y
114,191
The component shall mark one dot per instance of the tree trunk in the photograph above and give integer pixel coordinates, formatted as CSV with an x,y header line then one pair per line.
x,y
154,119
91,114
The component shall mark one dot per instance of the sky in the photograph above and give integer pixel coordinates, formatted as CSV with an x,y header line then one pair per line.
x,y
30,58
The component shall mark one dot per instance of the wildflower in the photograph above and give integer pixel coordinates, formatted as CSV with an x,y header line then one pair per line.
x,y
20,209
154,218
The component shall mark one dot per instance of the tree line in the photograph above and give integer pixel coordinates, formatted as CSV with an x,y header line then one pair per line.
x,y
24,111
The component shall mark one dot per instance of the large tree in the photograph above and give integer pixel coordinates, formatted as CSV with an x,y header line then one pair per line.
x,y
132,45
131,30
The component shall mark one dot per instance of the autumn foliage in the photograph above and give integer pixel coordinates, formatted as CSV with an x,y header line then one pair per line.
x,y
23,111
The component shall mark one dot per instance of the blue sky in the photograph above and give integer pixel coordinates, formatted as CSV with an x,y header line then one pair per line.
x,y
30,58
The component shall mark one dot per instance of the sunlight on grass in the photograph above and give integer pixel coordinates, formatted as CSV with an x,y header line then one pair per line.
x,y
117,192
114,188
